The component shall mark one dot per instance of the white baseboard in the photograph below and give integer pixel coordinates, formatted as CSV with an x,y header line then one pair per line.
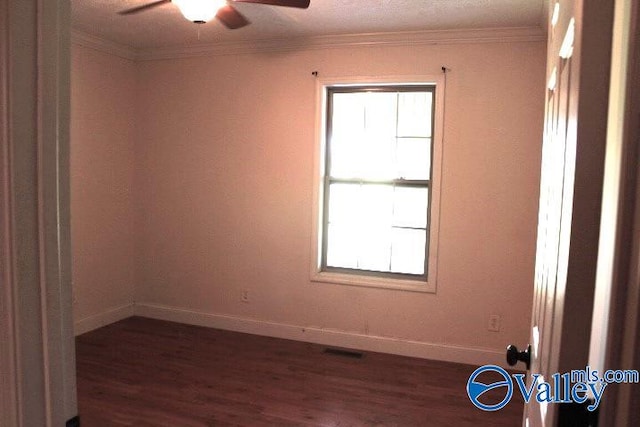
x,y
105,318
443,352
329,337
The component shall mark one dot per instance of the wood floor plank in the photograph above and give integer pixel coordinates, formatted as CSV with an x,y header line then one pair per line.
x,y
144,372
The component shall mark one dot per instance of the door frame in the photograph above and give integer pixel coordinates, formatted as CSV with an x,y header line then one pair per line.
x,y
37,358
615,334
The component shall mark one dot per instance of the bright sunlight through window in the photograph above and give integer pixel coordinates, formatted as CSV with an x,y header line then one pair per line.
x,y
377,180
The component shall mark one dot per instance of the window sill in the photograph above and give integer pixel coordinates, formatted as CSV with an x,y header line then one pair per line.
x,y
373,282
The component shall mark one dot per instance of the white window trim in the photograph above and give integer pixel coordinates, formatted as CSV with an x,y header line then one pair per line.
x,y
317,275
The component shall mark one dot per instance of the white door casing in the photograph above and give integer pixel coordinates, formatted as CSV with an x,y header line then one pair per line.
x,y
615,336
37,381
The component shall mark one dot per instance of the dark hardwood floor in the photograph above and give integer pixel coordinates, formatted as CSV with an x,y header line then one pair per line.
x,y
143,372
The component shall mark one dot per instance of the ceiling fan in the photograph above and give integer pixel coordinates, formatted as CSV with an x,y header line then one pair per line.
x,y
201,11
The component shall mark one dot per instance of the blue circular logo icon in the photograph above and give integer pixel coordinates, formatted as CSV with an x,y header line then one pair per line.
x,y
475,388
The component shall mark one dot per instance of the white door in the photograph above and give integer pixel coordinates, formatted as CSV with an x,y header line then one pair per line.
x,y
570,194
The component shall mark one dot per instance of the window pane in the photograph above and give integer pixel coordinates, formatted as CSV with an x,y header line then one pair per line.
x,y
348,117
368,204
365,158
344,204
345,157
375,249
360,218
377,159
380,113
347,135
362,135
343,246
413,157
414,113
376,205
408,251
410,207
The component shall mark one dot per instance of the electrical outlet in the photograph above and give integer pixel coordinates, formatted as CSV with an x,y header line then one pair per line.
x,y
245,296
494,323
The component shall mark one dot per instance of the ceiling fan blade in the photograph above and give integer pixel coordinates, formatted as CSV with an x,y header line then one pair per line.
x,y
231,18
143,7
302,4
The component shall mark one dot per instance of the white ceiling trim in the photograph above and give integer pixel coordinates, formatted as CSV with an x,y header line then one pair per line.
x,y
409,38
102,45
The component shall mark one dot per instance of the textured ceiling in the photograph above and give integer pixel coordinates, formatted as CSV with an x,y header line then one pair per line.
x,y
164,26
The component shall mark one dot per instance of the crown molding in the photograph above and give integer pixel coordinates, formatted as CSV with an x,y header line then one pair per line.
x,y
97,43
405,38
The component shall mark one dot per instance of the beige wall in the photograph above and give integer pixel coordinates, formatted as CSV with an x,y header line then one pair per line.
x,y
102,160
224,180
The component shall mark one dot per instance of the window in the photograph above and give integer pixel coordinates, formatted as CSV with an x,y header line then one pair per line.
x,y
376,188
